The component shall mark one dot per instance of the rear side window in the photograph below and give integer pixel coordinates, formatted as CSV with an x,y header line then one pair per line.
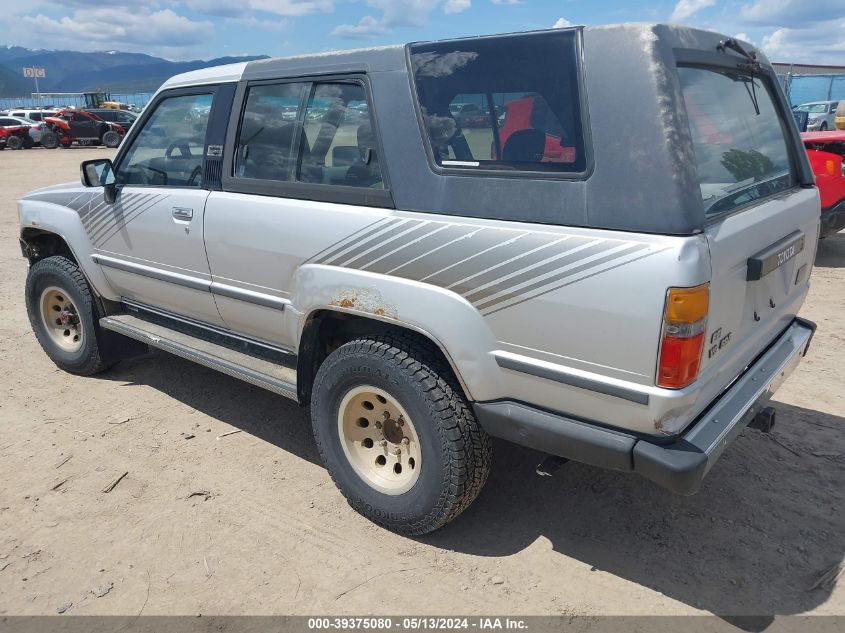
x,y
265,149
329,141
498,103
741,151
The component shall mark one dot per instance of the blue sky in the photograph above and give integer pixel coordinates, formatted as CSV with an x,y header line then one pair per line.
x,y
810,31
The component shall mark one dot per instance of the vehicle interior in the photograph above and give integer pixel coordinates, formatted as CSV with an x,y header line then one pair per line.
x,y
169,149
493,78
337,145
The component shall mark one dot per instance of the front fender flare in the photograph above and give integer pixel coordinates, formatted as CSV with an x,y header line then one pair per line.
x,y
65,222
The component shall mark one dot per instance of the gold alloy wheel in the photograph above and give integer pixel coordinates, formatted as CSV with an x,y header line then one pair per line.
x,y
61,319
379,439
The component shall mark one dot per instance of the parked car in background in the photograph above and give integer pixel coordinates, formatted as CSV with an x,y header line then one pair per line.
x,y
469,114
69,126
826,151
34,127
34,115
820,115
125,118
839,117
15,137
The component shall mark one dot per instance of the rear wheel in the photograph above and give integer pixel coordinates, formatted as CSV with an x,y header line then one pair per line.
x,y
14,142
111,139
397,435
64,315
49,140
28,143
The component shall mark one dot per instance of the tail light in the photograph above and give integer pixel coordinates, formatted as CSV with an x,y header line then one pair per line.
x,y
684,323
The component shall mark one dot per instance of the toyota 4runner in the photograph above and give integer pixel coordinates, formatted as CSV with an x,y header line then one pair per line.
x,y
616,290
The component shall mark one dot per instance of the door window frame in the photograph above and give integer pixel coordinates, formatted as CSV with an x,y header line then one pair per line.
x,y
149,110
318,192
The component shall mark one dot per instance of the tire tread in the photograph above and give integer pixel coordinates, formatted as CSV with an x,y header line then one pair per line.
x,y
467,447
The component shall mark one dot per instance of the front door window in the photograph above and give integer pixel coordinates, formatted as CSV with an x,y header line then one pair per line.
x,y
168,151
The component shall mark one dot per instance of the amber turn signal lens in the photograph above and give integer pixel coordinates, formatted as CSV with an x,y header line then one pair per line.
x,y
687,305
682,343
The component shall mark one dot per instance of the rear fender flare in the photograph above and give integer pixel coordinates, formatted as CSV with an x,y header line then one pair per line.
x,y
444,317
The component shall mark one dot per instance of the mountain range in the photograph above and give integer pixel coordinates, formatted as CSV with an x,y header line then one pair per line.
x,y
109,71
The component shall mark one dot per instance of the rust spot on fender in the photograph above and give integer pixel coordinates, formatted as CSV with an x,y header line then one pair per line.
x,y
369,300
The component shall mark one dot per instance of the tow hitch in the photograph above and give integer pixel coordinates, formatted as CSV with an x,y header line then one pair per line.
x,y
550,465
764,421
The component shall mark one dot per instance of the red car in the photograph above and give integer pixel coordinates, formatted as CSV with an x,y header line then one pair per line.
x,y
85,128
15,137
530,113
826,151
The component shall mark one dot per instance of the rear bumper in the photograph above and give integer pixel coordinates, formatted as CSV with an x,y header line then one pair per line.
x,y
833,219
677,464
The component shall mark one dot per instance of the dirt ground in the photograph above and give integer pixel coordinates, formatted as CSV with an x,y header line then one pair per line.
x,y
251,523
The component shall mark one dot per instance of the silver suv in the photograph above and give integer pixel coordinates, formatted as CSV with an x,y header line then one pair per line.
x,y
617,289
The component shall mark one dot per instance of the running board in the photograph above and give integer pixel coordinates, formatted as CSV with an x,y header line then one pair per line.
x,y
257,371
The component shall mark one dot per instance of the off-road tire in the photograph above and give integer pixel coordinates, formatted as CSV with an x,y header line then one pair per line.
x,y
456,452
28,143
49,140
62,273
14,142
111,139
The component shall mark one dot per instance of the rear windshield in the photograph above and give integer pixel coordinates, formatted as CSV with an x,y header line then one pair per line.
x,y
504,103
740,146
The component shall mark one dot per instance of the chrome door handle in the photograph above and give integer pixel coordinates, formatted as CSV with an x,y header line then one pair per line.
x,y
182,213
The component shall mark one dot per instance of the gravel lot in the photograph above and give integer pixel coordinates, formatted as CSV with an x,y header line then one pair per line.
x,y
251,523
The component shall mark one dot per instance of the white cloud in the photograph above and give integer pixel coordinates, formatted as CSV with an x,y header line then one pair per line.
x,y
685,9
823,43
274,25
397,13
241,8
506,1
367,28
561,23
456,6
122,28
795,13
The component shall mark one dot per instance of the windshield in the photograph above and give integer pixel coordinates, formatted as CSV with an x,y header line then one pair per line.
x,y
812,108
740,147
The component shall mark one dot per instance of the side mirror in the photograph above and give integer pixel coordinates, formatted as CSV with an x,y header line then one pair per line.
x,y
99,173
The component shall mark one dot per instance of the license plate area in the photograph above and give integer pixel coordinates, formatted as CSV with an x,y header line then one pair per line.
x,y
773,257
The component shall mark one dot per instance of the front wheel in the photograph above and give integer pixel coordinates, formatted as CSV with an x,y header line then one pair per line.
x,y
111,139
397,435
823,127
49,140
64,315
